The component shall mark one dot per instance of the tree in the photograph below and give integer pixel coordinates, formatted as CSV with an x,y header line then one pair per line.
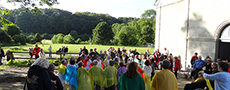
x,y
68,39
19,38
4,37
73,33
37,38
78,41
147,34
102,33
13,30
149,14
127,36
58,38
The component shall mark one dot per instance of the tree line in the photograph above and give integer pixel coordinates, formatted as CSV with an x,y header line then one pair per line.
x,y
65,27
54,21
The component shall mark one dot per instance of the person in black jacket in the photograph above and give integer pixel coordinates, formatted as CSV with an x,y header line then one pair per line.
x,y
38,77
208,68
1,55
86,51
53,77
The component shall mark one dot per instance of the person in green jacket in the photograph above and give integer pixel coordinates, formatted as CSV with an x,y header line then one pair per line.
x,y
131,79
110,77
83,78
96,76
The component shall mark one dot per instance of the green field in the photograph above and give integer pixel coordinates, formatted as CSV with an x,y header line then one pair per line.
x,y
74,48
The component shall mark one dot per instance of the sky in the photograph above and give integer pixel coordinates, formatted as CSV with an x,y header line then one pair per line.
x,y
115,8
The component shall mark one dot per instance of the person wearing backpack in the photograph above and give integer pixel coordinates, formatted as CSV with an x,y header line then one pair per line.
x,y
38,77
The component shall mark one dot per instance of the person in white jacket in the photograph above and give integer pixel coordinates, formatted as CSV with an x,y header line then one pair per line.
x,y
42,54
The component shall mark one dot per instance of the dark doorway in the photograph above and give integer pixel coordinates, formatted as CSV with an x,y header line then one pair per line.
x,y
224,43
224,50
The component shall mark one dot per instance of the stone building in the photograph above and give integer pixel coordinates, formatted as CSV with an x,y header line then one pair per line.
x,y
188,26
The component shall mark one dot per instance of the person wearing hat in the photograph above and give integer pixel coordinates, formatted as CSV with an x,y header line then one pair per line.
x,y
96,76
110,77
165,79
53,77
198,66
208,68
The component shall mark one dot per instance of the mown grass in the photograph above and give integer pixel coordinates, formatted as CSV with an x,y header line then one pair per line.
x,y
75,48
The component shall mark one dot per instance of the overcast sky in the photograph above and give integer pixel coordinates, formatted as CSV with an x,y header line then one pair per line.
x,y
116,8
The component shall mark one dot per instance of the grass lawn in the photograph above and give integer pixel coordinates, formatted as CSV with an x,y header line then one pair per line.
x,y
75,48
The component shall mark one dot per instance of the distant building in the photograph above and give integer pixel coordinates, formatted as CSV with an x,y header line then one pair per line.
x,y
188,26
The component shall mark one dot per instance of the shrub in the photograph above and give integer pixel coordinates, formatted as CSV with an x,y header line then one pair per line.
x,y
68,39
19,38
78,41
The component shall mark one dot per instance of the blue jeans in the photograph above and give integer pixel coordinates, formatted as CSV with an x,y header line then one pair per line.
x,y
50,55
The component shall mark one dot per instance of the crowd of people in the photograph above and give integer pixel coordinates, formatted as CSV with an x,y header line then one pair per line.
x,y
124,70
111,69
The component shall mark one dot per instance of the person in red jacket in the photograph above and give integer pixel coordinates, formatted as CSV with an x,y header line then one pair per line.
x,y
36,51
177,65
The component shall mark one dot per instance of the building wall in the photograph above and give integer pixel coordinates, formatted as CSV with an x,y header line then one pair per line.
x,y
200,18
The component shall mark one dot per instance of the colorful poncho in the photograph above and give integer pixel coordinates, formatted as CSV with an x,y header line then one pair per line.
x,y
164,80
126,83
110,76
96,76
62,69
83,79
71,75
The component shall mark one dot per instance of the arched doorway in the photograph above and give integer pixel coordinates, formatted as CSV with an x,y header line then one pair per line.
x,y
224,43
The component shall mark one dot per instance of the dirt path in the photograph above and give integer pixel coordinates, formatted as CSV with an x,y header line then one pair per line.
x,y
12,78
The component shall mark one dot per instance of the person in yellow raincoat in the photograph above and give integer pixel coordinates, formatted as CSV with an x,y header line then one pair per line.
x,y
83,78
165,79
96,76
62,70
110,77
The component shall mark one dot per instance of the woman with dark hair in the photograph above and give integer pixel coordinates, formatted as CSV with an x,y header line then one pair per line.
x,y
148,68
131,80
53,77
121,70
177,65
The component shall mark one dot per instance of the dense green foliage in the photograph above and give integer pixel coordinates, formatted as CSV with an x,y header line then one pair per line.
x,y
13,30
4,37
60,21
102,34
68,39
19,38
78,41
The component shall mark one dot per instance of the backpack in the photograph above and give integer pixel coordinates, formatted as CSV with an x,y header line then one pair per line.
x,y
34,82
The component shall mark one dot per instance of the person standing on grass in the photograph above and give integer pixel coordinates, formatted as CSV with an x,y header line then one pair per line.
x,y
50,51
110,77
86,51
1,55
221,78
36,51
